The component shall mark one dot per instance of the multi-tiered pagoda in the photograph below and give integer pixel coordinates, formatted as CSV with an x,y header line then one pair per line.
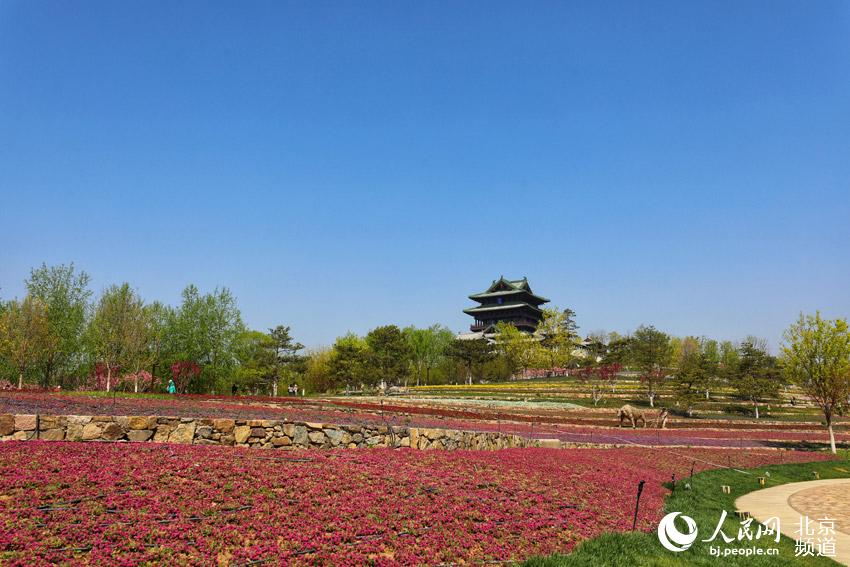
x,y
511,301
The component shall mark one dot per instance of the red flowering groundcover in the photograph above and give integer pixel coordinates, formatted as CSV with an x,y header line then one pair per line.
x,y
129,504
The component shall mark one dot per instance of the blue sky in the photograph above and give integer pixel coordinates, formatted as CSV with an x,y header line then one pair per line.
x,y
345,165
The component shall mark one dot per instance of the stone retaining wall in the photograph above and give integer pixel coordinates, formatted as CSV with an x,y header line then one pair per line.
x,y
246,433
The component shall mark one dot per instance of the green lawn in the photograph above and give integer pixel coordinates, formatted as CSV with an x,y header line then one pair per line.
x,y
703,503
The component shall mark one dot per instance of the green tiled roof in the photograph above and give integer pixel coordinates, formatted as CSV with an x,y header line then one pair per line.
x,y
508,287
502,307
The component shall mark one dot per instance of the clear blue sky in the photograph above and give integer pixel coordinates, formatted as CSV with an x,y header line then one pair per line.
x,y
345,165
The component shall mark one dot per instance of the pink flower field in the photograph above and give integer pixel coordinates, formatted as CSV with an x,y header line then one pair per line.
x,y
152,504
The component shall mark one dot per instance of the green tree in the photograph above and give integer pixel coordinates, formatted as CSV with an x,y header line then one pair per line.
x,y
285,355
118,331
204,330
757,375
427,349
318,376
389,355
257,367
519,349
558,337
649,353
65,294
695,368
24,334
471,355
817,358
349,361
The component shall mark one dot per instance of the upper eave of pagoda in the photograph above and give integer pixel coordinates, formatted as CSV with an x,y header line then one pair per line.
x,y
505,287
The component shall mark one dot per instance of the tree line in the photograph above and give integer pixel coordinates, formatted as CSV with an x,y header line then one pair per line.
x,y
59,336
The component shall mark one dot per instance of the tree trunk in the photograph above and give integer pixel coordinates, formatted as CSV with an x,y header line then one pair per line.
x,y
108,377
831,437
652,399
756,404
136,383
706,394
21,380
274,388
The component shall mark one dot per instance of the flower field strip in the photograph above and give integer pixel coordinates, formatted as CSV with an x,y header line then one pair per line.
x,y
140,504
371,414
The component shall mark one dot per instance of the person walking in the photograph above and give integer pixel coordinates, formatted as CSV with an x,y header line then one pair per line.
x,y
171,388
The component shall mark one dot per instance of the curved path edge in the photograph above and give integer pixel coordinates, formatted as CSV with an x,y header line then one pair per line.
x,y
770,502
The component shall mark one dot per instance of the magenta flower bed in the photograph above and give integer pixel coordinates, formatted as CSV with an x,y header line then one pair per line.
x,y
130,504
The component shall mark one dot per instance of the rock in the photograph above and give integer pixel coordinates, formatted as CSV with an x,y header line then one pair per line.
x,y
241,433
25,422
112,432
162,433
204,432
53,435
258,432
289,429
281,441
300,436
7,424
184,433
48,422
374,440
91,431
23,435
335,436
74,432
550,443
314,425
405,442
316,437
205,442
139,435
141,422
101,418
224,425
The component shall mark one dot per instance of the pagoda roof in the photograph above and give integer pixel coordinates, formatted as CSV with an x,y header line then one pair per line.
x,y
503,287
502,307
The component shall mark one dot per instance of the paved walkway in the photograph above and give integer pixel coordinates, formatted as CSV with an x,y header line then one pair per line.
x,y
816,499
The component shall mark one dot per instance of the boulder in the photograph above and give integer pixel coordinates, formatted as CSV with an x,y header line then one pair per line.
x,y
258,432
204,432
316,437
53,435
162,433
335,436
49,422
112,432
91,431
241,433
300,436
7,424
139,435
25,422
141,422
281,441
183,433
224,425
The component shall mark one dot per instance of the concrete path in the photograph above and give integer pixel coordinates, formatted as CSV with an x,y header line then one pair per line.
x,y
816,499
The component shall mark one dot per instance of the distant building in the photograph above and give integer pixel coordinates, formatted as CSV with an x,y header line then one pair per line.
x,y
508,301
